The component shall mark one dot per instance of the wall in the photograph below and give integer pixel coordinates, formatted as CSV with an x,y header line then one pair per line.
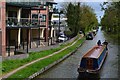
x,y
35,33
0,43
3,26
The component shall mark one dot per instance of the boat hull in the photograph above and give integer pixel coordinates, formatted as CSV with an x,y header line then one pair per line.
x,y
95,66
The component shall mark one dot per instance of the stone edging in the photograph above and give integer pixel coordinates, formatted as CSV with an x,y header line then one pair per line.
x,y
53,64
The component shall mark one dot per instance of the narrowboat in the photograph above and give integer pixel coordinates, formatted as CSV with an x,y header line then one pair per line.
x,y
92,61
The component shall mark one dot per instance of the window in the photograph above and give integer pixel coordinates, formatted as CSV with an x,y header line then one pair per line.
x,y
55,16
34,19
12,18
12,14
43,18
35,16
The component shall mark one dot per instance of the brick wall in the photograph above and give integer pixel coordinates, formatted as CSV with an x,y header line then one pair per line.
x,y
0,43
45,12
3,26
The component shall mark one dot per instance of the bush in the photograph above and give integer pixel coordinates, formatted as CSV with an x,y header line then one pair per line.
x,y
69,34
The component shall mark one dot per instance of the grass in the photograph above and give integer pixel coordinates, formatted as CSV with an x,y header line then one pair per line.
x,y
9,65
26,72
113,37
0,68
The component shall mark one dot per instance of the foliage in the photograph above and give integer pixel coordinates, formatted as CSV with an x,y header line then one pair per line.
x,y
80,17
64,7
88,18
68,33
73,17
111,19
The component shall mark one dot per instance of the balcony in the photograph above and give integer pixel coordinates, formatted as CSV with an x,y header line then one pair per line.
x,y
24,22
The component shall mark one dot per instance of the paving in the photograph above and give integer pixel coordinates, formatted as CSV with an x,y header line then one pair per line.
x,y
44,48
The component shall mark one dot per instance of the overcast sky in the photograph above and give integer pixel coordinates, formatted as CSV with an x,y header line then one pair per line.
x,y
95,5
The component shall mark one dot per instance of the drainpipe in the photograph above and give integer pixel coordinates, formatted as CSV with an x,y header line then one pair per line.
x,y
19,31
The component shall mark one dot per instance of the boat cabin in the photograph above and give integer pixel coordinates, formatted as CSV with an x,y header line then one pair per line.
x,y
91,62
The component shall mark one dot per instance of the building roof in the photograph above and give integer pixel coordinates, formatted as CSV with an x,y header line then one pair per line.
x,y
28,4
24,4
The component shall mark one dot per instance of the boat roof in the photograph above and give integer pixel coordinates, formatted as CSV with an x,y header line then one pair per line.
x,y
94,52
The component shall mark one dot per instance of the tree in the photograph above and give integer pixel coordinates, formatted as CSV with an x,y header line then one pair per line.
x,y
73,17
88,18
110,20
79,17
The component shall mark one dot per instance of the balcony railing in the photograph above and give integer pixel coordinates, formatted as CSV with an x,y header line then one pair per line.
x,y
43,23
11,21
27,22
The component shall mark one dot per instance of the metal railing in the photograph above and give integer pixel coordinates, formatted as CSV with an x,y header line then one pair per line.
x,y
12,21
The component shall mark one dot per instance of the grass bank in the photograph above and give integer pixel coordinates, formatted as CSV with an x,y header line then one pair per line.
x,y
9,65
26,72
114,38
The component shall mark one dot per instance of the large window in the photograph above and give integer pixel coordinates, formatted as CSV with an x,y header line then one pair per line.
x,y
12,14
34,19
12,18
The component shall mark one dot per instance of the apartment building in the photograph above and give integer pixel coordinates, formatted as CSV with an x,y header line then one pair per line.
x,y
25,25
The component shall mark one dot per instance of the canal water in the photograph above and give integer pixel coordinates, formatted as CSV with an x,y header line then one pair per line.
x,y
68,67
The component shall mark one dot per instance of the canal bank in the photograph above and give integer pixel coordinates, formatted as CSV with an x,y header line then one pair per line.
x,y
68,68
53,64
48,61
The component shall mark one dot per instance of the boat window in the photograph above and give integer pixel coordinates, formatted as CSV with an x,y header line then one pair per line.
x,y
89,63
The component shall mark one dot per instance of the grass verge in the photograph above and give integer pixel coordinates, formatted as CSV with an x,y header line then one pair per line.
x,y
114,38
26,72
9,65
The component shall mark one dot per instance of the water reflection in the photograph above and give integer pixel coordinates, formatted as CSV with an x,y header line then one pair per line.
x,y
88,76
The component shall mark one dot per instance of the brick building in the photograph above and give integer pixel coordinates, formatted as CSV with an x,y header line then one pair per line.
x,y
25,25
2,28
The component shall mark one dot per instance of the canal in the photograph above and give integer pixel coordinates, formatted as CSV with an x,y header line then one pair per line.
x,y
68,68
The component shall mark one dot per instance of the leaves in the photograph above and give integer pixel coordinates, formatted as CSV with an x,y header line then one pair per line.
x,y
88,18
73,18
110,20
79,17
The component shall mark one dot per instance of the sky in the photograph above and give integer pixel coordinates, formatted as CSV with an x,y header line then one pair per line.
x,y
95,5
